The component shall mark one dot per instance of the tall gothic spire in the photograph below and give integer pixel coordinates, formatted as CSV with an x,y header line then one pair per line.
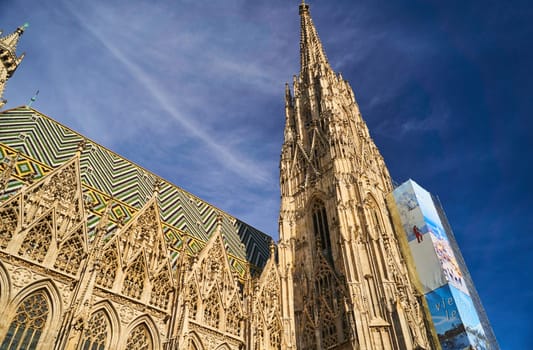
x,y
311,50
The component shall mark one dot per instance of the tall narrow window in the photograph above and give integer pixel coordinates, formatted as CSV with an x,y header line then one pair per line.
x,y
212,311
134,280
105,275
71,254
28,324
96,334
37,241
9,216
321,229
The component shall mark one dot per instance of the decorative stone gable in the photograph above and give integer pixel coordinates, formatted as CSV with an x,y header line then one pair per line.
x,y
213,311
267,323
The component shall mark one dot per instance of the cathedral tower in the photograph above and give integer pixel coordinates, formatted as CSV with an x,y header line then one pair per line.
x,y
8,58
345,284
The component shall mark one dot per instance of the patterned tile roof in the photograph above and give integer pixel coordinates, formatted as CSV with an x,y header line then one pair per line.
x,y
43,144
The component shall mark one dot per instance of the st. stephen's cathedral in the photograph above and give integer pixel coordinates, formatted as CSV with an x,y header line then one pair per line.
x,y
99,253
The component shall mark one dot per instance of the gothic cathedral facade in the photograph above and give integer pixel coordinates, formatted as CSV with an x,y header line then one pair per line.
x,y
98,253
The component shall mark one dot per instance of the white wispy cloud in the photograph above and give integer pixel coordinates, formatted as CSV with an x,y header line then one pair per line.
x,y
227,157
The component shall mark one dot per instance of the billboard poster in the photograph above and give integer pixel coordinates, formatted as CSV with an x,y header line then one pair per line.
x,y
446,318
422,224
470,319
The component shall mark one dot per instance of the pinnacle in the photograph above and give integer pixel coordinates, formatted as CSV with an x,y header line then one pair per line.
x,y
311,50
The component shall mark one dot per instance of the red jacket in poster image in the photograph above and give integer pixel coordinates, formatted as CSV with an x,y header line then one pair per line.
x,y
418,234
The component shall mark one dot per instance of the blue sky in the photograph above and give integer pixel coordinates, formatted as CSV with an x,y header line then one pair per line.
x,y
193,90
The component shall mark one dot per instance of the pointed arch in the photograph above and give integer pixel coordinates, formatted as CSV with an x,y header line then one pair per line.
x,y
98,332
234,317
103,328
5,286
143,334
376,218
320,225
35,315
161,289
194,342
212,309
71,252
193,298
38,238
135,278
224,346
107,269
9,220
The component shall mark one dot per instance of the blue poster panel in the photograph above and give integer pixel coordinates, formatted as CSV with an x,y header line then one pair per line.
x,y
446,318
470,319
421,222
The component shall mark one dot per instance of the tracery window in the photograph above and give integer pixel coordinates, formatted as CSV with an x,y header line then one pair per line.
x,y
96,335
329,331
193,301
8,222
139,339
107,269
134,280
274,332
212,311
321,228
37,240
71,254
308,338
233,320
160,291
28,324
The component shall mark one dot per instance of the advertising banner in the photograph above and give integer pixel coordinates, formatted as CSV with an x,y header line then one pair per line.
x,y
433,255
445,314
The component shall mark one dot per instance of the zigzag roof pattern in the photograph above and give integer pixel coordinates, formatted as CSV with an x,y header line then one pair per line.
x,y
39,144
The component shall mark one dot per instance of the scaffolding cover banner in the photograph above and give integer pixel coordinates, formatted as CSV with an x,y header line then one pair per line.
x,y
430,247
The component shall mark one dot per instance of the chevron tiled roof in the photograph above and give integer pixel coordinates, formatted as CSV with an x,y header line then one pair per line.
x,y
44,144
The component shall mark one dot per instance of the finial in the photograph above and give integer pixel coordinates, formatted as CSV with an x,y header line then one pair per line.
x,y
157,186
272,248
34,98
22,28
303,7
81,146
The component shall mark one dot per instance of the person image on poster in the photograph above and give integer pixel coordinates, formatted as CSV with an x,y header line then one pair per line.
x,y
418,234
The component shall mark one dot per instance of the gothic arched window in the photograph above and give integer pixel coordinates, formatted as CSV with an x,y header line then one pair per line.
x,y
105,275
212,311
9,216
96,335
71,254
321,228
37,241
161,290
140,338
134,281
28,324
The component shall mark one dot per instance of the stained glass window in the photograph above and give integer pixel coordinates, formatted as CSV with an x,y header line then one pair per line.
x,y
28,324
96,334
139,339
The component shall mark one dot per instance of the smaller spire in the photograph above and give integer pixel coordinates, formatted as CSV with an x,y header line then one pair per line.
x,y
10,41
8,48
311,51
288,97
